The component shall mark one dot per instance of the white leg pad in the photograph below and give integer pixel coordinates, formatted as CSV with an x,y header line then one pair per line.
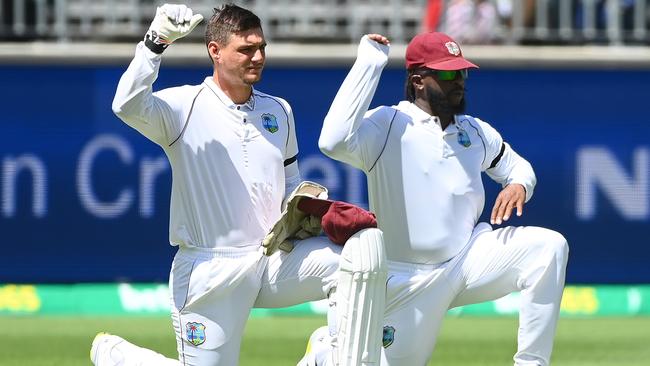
x,y
360,300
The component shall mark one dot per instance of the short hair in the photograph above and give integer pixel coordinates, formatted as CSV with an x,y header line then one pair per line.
x,y
228,20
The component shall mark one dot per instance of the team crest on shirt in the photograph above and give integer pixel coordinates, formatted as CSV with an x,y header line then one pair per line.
x,y
463,138
195,333
269,122
453,48
389,336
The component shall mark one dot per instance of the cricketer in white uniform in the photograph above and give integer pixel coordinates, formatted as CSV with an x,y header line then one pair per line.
x,y
233,152
423,159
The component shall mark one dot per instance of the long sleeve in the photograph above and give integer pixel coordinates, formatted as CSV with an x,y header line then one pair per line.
x,y
339,138
503,164
158,116
292,178
512,168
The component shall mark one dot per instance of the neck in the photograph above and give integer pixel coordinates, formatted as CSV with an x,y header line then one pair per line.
x,y
445,118
238,93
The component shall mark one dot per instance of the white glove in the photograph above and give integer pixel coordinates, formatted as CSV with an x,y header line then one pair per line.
x,y
172,21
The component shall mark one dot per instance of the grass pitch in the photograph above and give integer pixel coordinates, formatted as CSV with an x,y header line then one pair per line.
x,y
280,341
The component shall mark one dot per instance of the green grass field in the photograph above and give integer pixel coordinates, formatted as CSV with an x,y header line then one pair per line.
x,y
280,341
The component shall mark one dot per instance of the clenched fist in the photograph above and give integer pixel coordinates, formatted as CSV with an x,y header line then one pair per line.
x,y
172,21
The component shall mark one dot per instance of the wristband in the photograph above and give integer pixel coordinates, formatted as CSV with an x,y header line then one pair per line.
x,y
157,48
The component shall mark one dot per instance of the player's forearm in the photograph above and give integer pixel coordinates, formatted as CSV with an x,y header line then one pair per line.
x,y
353,98
133,99
512,168
134,102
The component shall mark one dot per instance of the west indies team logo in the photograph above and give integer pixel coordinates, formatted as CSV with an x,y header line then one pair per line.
x,y
463,138
269,122
195,333
389,336
453,48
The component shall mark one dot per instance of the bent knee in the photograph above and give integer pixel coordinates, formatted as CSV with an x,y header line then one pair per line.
x,y
553,244
557,242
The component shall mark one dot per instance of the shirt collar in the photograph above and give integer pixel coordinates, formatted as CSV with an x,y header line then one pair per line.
x,y
418,114
249,104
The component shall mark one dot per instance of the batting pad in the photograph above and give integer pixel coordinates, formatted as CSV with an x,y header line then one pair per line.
x,y
360,300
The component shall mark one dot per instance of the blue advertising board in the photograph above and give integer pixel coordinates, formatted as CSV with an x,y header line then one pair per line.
x,y
84,198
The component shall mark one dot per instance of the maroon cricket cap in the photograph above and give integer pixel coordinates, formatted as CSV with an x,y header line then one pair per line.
x,y
339,220
435,51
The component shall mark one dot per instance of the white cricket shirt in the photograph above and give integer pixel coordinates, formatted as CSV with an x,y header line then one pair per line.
x,y
228,160
424,184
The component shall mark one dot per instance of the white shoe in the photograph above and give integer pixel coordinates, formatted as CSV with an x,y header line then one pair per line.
x,y
319,343
103,351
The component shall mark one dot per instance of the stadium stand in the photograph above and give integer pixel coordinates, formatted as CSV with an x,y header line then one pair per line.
x,y
341,21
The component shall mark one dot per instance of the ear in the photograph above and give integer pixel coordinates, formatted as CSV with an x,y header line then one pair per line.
x,y
214,50
417,81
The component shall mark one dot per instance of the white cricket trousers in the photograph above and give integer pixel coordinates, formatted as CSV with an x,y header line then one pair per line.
x,y
493,264
214,290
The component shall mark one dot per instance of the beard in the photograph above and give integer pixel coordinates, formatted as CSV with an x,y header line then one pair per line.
x,y
441,103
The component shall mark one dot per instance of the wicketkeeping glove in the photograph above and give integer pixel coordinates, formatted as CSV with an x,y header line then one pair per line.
x,y
295,224
171,22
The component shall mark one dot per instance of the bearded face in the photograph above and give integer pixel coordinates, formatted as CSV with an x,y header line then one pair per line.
x,y
448,102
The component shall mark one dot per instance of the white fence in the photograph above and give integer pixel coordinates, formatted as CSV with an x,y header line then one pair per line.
x,y
334,21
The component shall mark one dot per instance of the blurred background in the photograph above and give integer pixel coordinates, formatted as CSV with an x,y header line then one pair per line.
x,y
84,205
342,21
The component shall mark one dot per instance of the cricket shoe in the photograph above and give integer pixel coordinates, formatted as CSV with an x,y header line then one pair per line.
x,y
319,348
104,351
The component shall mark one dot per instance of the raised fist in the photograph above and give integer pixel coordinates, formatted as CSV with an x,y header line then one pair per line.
x,y
172,21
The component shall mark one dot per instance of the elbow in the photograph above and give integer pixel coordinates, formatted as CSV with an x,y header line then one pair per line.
x,y
331,147
326,143
332,137
118,108
123,109
326,146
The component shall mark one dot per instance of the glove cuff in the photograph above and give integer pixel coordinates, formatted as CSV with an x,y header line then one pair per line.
x,y
153,42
